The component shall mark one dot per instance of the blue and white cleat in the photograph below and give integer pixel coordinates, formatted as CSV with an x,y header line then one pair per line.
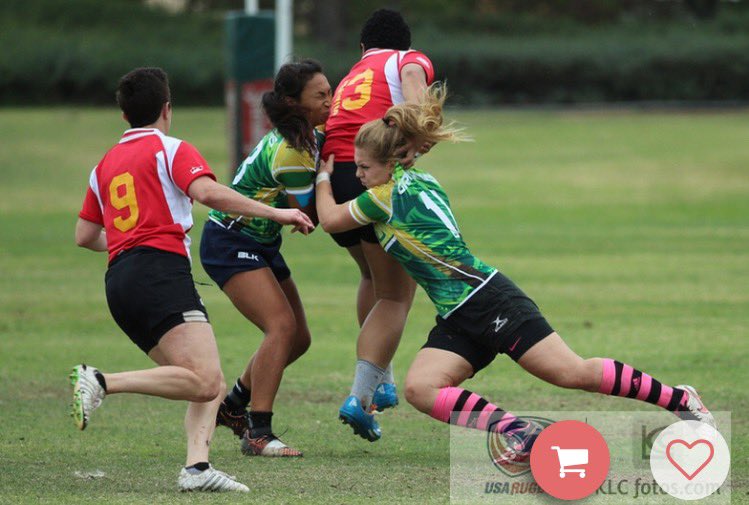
x,y
385,397
364,425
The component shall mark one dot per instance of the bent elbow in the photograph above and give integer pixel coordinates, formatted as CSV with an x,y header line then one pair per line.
x,y
329,226
325,226
83,240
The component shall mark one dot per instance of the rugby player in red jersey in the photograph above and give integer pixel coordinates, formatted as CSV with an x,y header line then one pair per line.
x,y
389,73
138,208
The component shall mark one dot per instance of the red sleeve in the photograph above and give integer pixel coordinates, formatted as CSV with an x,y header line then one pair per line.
x,y
188,165
420,59
91,210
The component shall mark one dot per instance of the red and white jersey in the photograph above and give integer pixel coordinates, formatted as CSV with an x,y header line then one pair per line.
x,y
371,87
138,192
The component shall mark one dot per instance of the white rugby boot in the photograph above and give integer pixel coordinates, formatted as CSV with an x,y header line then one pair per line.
x,y
87,394
696,408
209,480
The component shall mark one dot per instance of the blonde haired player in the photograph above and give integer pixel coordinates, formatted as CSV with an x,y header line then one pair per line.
x,y
481,313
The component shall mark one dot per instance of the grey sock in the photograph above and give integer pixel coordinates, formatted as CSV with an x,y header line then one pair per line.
x,y
388,377
368,376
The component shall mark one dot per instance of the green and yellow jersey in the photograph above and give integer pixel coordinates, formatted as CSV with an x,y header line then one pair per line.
x,y
271,172
415,224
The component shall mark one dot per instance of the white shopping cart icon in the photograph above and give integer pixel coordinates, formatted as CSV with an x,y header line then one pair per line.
x,y
571,457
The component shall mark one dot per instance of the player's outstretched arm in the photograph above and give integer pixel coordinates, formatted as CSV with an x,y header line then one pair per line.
x,y
217,196
90,235
333,218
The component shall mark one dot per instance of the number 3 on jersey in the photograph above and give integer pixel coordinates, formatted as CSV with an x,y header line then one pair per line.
x,y
126,200
359,96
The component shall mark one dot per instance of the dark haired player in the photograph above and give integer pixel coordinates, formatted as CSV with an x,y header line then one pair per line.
x,y
389,73
242,254
138,208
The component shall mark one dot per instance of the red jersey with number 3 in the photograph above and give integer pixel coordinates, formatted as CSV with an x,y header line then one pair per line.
x,y
371,87
138,192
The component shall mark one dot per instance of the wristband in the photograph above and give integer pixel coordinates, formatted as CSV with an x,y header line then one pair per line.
x,y
322,176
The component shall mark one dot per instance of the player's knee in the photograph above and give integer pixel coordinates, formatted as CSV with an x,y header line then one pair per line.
x,y
593,368
211,385
418,394
302,342
283,330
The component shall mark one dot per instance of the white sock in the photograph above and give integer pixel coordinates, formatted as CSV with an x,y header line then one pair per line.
x,y
388,378
368,377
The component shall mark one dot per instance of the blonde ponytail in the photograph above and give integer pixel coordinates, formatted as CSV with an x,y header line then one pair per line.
x,y
422,122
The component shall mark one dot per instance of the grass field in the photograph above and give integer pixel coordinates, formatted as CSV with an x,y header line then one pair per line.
x,y
631,231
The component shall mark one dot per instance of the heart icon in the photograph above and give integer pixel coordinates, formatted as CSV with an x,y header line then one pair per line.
x,y
692,475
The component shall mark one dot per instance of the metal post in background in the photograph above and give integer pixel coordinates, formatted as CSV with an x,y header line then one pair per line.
x,y
284,31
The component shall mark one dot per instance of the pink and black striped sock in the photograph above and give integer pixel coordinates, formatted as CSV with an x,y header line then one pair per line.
x,y
472,411
620,379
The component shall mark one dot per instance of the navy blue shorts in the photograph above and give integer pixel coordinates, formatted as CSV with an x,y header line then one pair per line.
x,y
225,253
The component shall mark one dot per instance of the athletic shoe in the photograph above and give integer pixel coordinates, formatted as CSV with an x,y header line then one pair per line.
x,y
519,444
87,394
695,407
268,446
209,480
385,397
234,419
364,425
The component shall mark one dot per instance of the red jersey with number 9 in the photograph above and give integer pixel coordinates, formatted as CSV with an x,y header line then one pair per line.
x,y
138,192
371,87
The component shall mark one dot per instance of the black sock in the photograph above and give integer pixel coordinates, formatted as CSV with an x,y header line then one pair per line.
x,y
100,378
200,467
238,397
260,424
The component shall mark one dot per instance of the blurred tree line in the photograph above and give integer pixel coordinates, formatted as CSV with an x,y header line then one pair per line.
x,y
335,22
491,51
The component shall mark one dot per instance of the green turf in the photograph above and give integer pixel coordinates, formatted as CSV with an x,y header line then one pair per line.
x,y
631,230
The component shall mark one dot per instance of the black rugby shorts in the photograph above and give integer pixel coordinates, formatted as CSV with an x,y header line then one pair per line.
x,y
149,292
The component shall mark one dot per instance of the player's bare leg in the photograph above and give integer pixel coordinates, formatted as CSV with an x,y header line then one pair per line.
x,y
183,374
365,296
193,346
189,369
284,341
430,371
394,293
432,386
378,338
553,361
385,395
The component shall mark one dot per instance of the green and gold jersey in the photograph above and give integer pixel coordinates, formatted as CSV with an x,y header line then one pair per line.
x,y
414,223
271,172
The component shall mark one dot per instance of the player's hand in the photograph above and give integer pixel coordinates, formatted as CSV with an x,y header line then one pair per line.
x,y
295,217
326,167
407,154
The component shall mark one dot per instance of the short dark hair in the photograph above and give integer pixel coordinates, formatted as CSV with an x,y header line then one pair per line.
x,y
386,29
141,94
287,117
